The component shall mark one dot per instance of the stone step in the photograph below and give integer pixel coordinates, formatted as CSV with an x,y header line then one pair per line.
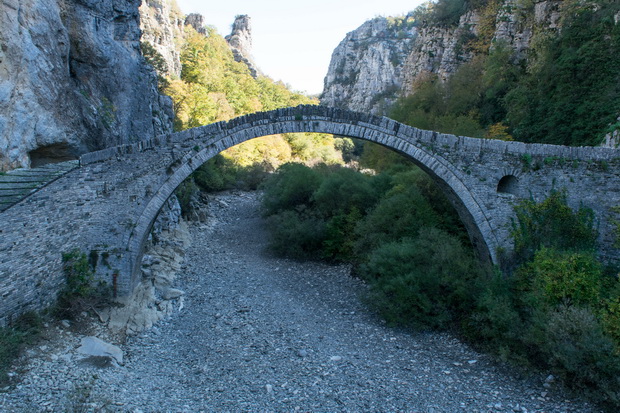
x,y
13,191
19,183
26,179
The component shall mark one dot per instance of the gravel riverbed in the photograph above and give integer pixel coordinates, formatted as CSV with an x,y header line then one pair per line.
x,y
258,333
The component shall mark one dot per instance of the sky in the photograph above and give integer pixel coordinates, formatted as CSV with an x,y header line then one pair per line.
x,y
293,40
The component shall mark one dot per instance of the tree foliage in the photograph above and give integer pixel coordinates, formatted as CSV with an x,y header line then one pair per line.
x,y
565,91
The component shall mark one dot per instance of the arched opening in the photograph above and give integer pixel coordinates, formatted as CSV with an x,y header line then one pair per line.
x,y
54,153
509,184
208,141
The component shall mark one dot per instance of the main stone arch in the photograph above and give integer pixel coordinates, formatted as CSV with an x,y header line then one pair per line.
x,y
107,205
209,141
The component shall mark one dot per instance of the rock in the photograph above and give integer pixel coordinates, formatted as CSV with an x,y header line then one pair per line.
x,y
93,346
162,24
172,293
366,68
66,323
385,58
72,80
240,42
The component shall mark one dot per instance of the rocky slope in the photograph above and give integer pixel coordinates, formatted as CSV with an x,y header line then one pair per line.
x,y
162,25
72,79
382,58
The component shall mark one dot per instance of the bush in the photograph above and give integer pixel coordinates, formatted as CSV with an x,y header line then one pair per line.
x,y
398,215
552,224
563,278
186,192
424,282
81,292
576,348
495,322
339,243
296,235
290,187
14,337
344,190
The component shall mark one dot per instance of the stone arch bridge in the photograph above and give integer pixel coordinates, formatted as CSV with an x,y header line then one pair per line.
x,y
107,205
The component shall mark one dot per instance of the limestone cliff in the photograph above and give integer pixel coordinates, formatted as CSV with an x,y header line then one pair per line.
x,y
384,57
72,79
366,69
240,42
162,24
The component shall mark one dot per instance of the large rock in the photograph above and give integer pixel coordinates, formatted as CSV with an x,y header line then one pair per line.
x,y
72,80
379,61
95,347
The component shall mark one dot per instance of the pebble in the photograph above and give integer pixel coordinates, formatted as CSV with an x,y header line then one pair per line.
x,y
258,321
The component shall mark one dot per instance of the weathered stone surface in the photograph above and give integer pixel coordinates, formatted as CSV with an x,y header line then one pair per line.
x,y
108,206
366,69
93,346
162,25
197,21
72,80
375,64
240,42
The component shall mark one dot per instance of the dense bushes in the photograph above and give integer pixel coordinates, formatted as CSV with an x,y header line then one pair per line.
x,y
566,90
559,310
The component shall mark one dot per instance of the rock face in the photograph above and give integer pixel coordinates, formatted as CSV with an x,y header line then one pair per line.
x,y
240,41
72,80
162,25
366,69
197,21
377,62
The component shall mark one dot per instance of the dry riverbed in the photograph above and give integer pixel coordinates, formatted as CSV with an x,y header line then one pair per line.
x,y
258,333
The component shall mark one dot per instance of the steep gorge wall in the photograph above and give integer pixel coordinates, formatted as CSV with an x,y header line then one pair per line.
x,y
73,80
366,69
367,79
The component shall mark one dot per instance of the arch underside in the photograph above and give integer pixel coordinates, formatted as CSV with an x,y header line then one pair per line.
x,y
210,144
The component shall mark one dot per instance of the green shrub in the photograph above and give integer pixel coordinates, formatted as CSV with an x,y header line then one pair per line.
x,y
611,320
185,193
291,186
81,291
211,176
563,278
495,322
399,214
344,190
296,235
552,224
339,243
574,345
426,282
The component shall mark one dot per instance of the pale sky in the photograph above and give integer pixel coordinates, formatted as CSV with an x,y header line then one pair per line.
x,y
293,40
